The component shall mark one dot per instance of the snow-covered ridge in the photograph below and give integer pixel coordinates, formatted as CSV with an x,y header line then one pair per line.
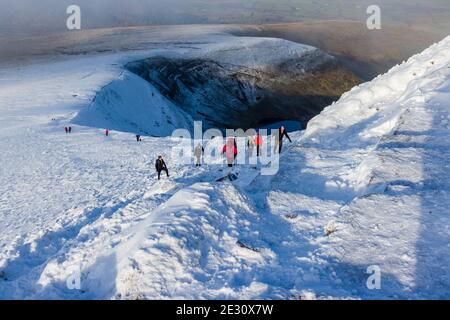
x,y
372,112
130,104
381,98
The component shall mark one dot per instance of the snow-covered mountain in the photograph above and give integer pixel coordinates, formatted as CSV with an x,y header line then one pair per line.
x,y
249,82
232,83
365,185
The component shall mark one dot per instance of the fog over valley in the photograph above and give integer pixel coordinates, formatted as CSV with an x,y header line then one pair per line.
x,y
23,18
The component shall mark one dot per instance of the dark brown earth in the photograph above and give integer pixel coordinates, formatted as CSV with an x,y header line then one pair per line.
x,y
366,53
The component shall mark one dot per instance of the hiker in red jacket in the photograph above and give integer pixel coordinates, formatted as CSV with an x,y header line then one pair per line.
x,y
230,149
259,143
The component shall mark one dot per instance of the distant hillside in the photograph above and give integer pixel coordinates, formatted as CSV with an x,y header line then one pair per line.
x,y
250,82
367,53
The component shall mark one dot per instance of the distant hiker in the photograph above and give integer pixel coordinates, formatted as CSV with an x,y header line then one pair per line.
x,y
160,166
259,143
70,129
251,146
66,129
138,138
106,132
279,142
230,150
198,152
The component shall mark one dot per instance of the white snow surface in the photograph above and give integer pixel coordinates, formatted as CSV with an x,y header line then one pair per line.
x,y
366,184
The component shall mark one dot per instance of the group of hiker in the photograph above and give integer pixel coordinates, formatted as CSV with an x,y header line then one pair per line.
x,y
229,150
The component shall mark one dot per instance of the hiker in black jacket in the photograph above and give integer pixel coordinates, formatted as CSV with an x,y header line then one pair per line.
x,y
279,142
160,166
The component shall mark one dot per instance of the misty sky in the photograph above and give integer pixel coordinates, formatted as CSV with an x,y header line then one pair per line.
x,y
40,17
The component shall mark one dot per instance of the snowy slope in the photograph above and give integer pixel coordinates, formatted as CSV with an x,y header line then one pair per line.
x,y
133,105
366,184
382,154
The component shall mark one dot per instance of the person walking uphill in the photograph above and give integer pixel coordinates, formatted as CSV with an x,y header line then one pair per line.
x,y
259,143
279,142
251,146
198,152
160,166
230,150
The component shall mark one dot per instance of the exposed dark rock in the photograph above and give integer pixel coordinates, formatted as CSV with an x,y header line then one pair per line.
x,y
226,95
